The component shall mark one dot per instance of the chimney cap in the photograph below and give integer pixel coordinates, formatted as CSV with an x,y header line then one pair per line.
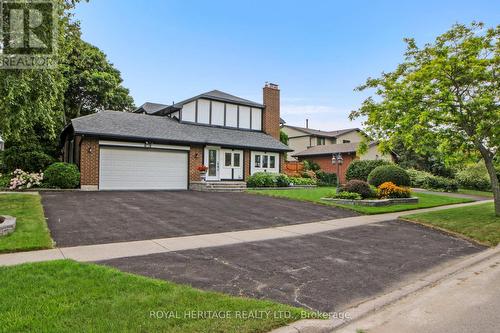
x,y
272,85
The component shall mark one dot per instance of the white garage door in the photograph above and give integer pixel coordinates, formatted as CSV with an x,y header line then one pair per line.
x,y
124,168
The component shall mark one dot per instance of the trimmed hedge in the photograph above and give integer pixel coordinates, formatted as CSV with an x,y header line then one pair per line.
x,y
359,186
62,175
345,195
389,173
268,179
360,169
302,181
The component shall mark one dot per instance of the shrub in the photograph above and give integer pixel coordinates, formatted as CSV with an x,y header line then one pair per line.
x,y
389,173
360,169
302,181
62,175
261,179
345,195
418,178
29,161
358,186
282,180
441,183
390,190
308,174
326,178
5,180
311,166
429,181
474,177
22,180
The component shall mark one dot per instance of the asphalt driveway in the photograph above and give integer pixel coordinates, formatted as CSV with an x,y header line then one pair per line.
x,y
325,272
84,218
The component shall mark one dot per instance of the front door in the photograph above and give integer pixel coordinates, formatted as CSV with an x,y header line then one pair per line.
x,y
213,164
232,164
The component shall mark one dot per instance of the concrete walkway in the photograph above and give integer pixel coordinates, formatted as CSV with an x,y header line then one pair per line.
x,y
139,248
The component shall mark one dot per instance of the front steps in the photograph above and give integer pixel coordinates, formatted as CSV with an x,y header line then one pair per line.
x,y
218,186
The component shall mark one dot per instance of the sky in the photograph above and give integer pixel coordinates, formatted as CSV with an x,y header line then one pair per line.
x,y
317,51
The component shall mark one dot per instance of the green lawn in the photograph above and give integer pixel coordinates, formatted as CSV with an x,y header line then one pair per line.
x,y
475,222
31,231
478,193
66,296
315,195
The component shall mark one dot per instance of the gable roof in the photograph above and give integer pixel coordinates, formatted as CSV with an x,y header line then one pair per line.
x,y
351,147
214,95
150,108
135,126
329,134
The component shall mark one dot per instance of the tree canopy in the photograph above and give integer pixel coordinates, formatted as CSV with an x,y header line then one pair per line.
x,y
36,103
443,98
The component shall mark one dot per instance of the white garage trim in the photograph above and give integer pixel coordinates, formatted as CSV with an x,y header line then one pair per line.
x,y
138,168
140,145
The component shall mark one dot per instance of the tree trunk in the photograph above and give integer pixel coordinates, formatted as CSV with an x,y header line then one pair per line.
x,y
488,160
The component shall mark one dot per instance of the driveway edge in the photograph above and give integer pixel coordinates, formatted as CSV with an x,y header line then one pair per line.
x,y
363,309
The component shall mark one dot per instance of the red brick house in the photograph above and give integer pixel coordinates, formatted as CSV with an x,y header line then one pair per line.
x,y
323,154
161,146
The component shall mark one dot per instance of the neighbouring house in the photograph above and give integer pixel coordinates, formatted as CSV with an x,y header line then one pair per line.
x,y
320,146
302,138
161,146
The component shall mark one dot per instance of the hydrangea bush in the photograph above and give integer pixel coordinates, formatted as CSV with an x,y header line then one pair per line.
x,y
22,180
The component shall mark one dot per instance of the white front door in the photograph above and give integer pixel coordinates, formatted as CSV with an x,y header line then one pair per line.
x,y
232,164
212,162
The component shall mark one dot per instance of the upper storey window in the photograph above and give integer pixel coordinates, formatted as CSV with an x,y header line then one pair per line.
x,y
208,112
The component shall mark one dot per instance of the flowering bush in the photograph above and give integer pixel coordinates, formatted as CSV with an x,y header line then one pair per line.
x,y
390,190
22,180
202,168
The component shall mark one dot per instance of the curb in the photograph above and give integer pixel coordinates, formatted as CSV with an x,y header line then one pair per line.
x,y
372,305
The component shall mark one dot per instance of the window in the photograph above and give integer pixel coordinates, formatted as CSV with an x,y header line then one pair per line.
x,y
236,162
272,161
264,161
257,161
346,141
227,159
320,141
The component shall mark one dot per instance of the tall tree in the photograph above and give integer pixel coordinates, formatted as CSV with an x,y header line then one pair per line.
x,y
36,103
444,97
93,82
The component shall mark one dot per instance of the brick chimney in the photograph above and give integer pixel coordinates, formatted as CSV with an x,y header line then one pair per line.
x,y
271,119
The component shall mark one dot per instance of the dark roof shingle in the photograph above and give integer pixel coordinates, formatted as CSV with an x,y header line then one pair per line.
x,y
330,134
125,125
331,149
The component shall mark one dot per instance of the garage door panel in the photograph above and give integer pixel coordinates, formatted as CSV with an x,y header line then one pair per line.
x,y
142,169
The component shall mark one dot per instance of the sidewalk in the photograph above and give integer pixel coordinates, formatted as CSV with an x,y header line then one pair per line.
x,y
465,302
144,247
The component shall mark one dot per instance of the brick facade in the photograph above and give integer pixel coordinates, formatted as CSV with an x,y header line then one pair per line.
x,y
325,163
271,118
195,160
246,168
89,163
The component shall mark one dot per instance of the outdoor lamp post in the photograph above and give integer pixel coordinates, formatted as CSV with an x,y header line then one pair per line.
x,y
337,159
